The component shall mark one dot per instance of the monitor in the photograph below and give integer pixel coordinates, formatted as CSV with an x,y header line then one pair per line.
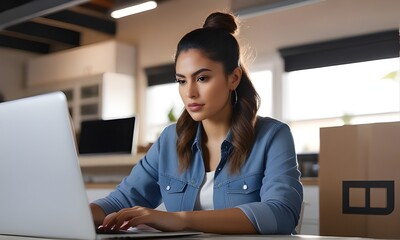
x,y
108,136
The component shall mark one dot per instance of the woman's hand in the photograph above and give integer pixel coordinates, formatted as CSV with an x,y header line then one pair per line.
x,y
132,217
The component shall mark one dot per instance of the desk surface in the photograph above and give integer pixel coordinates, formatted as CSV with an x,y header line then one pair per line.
x,y
218,237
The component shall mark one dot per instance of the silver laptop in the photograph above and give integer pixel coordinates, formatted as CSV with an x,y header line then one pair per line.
x,y
41,186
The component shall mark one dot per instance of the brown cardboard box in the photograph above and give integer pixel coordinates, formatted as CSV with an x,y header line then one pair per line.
x,y
359,179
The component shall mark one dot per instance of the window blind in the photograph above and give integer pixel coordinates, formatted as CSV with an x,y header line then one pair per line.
x,y
368,47
160,74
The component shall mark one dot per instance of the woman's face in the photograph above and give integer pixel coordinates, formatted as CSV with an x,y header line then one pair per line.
x,y
203,86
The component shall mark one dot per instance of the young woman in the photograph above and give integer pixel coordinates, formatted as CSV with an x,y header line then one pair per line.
x,y
220,168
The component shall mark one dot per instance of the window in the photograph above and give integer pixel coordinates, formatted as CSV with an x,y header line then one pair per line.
x,y
161,99
344,94
341,81
262,81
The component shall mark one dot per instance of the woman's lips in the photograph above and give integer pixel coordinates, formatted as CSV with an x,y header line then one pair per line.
x,y
195,107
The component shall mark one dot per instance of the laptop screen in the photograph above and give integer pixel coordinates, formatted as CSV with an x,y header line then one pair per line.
x,y
107,136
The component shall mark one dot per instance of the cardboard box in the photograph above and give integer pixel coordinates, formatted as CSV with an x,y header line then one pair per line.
x,y
359,179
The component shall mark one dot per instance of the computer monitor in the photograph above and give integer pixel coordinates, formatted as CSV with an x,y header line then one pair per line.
x,y
116,136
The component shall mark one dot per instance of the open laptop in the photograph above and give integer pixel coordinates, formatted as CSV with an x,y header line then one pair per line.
x,y
41,185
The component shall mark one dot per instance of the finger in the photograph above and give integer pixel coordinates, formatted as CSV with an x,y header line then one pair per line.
x,y
100,229
126,226
114,221
109,221
125,218
122,221
136,221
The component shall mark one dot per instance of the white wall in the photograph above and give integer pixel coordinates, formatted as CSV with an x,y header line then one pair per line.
x,y
12,72
323,20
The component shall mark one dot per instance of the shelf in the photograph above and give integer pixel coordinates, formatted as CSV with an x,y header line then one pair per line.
x,y
90,100
114,160
113,98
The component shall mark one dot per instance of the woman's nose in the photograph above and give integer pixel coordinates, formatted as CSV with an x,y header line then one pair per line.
x,y
191,90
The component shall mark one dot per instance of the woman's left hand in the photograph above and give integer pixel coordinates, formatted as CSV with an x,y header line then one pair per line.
x,y
132,217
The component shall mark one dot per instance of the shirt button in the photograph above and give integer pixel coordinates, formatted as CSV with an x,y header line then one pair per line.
x,y
245,187
168,188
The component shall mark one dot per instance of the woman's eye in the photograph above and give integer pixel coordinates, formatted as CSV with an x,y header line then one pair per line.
x,y
180,81
202,78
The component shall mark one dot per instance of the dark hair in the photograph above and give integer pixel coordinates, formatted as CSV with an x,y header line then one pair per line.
x,y
216,41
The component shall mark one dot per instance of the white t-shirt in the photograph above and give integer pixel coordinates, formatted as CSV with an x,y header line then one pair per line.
x,y
205,198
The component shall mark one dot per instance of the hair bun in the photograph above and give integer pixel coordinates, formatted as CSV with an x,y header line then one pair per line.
x,y
221,20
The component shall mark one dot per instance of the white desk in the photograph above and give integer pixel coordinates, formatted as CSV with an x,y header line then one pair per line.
x,y
219,237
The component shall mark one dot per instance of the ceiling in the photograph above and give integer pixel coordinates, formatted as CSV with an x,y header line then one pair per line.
x,y
46,26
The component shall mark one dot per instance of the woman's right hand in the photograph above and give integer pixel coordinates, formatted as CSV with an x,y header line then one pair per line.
x,y
135,216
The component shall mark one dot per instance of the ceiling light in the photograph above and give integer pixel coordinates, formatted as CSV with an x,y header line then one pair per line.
x,y
134,9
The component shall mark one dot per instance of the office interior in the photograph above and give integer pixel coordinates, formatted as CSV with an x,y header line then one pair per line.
x,y
144,45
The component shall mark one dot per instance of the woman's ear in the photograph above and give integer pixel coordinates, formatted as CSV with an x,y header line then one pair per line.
x,y
235,77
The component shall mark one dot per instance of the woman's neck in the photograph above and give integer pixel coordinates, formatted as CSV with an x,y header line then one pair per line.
x,y
217,127
215,131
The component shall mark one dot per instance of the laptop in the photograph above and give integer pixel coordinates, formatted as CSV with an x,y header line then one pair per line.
x,y
41,185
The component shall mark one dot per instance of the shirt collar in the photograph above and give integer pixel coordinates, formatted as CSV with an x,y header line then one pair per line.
x,y
197,140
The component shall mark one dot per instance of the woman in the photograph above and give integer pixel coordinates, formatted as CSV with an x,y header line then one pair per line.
x,y
220,169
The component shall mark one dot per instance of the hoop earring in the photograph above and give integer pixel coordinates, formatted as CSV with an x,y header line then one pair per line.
x,y
234,99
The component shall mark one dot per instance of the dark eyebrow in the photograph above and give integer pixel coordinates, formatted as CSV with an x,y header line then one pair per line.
x,y
195,73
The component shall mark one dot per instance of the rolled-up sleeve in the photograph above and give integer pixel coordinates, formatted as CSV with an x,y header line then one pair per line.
x,y
281,193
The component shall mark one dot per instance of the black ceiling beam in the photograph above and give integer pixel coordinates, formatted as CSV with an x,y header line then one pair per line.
x,y
57,34
21,44
34,9
8,4
98,24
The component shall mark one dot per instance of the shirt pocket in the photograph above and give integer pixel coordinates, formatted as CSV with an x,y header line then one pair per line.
x,y
172,191
244,190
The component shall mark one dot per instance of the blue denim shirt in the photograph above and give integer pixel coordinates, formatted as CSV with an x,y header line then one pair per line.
x,y
267,189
